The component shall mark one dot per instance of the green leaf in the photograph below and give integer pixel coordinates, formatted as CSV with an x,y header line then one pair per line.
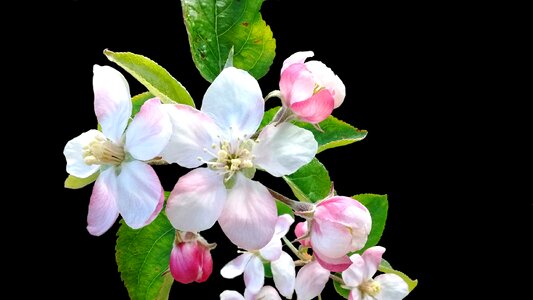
x,y
215,26
310,183
336,132
377,206
284,209
139,100
339,289
143,256
385,267
154,77
73,182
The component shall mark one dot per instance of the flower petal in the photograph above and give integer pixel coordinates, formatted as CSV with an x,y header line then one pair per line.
x,y
330,239
249,215
356,273
112,101
231,295
316,108
139,193
149,132
372,257
235,101
284,274
254,275
334,264
192,133
296,58
393,287
272,250
300,231
284,148
355,294
185,262
310,281
73,152
283,224
296,84
267,293
103,211
325,77
236,266
196,201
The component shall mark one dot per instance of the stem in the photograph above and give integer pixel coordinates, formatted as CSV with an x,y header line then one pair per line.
x,y
336,278
157,161
291,246
274,93
297,206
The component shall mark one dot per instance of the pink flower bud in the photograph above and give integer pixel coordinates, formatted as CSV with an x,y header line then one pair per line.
x,y
340,225
301,230
310,89
190,259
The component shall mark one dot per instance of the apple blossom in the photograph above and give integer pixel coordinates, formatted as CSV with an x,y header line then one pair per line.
x,y
266,293
190,259
311,280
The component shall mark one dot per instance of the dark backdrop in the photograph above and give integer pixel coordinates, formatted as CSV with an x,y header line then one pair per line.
x,y
391,59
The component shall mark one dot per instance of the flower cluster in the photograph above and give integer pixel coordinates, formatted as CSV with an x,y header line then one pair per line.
x,y
224,144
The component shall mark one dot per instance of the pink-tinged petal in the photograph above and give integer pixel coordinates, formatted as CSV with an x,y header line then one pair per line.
x,y
283,224
149,132
158,208
325,77
272,250
254,275
185,260
249,215
330,239
393,287
192,133
236,266
310,281
284,148
112,101
207,265
296,84
103,211
301,230
283,272
334,264
356,273
73,152
314,109
235,101
197,200
231,295
355,294
139,193
372,257
296,58
267,293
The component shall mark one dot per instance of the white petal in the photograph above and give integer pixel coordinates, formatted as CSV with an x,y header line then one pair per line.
x,y
325,77
284,148
139,193
272,250
283,224
231,295
393,287
355,294
234,100
372,257
73,152
310,281
355,274
103,211
249,215
236,266
196,201
267,293
112,101
193,132
254,275
284,274
296,58
331,239
149,132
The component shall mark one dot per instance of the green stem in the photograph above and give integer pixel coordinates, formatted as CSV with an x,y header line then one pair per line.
x,y
297,206
336,278
293,249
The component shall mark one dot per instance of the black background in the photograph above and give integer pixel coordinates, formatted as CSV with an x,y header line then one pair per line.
x,y
400,65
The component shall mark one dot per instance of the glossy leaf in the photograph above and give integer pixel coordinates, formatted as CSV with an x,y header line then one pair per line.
x,y
345,293
385,267
378,206
310,183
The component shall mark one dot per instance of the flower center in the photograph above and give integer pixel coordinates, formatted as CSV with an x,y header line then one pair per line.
x,y
370,287
230,159
102,151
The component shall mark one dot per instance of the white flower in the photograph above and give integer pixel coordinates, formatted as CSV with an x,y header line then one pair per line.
x,y
126,184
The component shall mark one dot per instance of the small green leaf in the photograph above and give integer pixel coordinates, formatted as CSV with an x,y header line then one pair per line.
x,y
284,209
385,267
215,26
143,259
345,293
154,77
310,183
139,100
378,206
73,182
336,132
